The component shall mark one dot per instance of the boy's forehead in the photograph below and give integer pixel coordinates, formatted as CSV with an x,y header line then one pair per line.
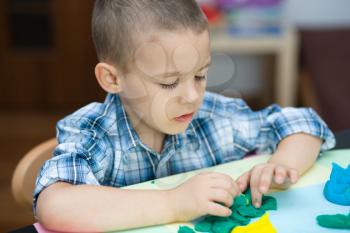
x,y
175,51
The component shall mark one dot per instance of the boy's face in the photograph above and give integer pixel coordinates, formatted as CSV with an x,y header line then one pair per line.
x,y
166,82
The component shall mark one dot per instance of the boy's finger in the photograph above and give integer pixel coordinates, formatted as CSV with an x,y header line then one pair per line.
x,y
243,181
255,177
254,186
293,175
256,197
218,210
280,175
235,189
266,179
221,196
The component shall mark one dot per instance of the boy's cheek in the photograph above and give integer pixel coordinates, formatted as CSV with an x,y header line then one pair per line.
x,y
134,88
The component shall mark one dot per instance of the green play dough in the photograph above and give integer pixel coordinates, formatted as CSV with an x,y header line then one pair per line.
x,y
242,212
223,227
239,218
185,229
339,221
270,203
213,219
250,211
241,200
203,226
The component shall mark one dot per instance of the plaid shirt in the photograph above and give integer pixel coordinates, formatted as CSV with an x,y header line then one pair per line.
x,y
98,145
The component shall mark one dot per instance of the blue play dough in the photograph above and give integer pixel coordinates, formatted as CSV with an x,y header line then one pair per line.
x,y
337,188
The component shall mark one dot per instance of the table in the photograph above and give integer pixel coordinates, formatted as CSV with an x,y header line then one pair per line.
x,y
310,205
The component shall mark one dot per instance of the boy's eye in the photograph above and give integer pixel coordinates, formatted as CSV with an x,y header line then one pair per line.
x,y
200,77
170,86
174,85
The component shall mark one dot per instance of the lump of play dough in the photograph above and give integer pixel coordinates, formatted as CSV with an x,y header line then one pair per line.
x,y
203,226
242,212
338,221
337,188
247,210
269,203
222,227
185,229
263,225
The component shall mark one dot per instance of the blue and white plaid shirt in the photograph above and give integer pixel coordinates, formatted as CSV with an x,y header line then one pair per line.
x,y
98,145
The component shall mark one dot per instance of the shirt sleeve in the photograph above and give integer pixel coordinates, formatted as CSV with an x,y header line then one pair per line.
x,y
264,129
83,155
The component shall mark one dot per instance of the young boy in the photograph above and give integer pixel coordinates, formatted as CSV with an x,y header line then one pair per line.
x,y
157,120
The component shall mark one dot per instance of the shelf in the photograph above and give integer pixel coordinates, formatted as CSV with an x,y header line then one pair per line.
x,y
222,42
284,47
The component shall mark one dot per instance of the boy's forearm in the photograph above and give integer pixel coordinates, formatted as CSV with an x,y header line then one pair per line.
x,y
86,208
298,151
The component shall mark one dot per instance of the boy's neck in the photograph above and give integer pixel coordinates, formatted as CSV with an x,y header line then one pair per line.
x,y
152,139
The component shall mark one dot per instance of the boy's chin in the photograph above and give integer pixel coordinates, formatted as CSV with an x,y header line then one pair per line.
x,y
178,129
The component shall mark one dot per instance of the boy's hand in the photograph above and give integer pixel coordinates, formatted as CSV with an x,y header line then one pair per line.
x,y
263,176
206,193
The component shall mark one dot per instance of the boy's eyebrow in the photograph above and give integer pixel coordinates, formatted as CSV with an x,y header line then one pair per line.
x,y
176,73
205,66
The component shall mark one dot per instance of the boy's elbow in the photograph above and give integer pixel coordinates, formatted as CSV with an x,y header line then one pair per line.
x,y
47,212
50,211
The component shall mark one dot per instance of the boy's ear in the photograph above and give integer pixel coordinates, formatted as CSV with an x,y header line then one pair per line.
x,y
107,77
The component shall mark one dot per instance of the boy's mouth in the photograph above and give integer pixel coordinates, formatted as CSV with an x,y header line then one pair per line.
x,y
185,117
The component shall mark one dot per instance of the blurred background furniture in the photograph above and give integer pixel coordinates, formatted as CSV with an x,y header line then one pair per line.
x,y
47,55
23,180
255,28
284,47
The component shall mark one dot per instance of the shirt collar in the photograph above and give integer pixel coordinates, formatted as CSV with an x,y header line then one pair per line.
x,y
189,136
127,135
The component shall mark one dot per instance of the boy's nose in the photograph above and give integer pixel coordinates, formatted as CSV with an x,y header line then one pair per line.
x,y
190,93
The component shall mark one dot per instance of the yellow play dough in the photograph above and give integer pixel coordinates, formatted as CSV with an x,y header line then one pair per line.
x,y
263,225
